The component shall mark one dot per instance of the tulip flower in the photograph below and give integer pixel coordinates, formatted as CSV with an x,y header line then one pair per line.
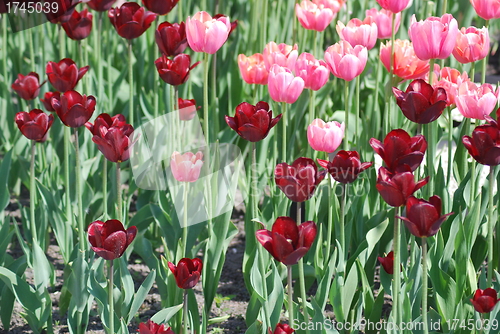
x,y
299,180
421,103
359,32
101,5
286,241
234,24
105,121
281,329
187,109
151,327
312,16
484,301
406,63
344,61
487,9
314,72
396,188
74,109
34,124
345,166
171,38
186,167
435,37
383,20
130,20
27,86
283,85
114,141
280,54
63,10
253,69
160,7
206,34
472,45
394,6
79,25
450,79
334,5
47,100
387,262
325,136
64,75
175,72
109,240
400,149
252,122
484,145
187,272
475,101
423,218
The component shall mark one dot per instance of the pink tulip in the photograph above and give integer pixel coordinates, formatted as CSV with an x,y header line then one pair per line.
x,y
312,16
394,6
186,167
280,54
472,45
205,34
334,5
325,137
450,79
407,65
344,61
487,9
252,69
383,20
283,85
359,32
435,37
314,72
476,101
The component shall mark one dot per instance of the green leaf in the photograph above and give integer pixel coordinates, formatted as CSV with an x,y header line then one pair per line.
x,y
7,301
141,294
166,314
41,268
4,180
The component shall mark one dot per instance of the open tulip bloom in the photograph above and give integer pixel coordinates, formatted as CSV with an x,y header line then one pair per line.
x,y
358,32
114,141
345,166
387,262
207,34
484,145
299,180
174,71
27,86
345,61
281,329
35,124
253,69
74,109
280,54
396,188
64,75
150,327
312,16
484,301
79,25
187,272
406,65
109,239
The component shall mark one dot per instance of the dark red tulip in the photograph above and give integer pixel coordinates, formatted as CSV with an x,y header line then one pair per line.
x,y
27,86
281,329
345,166
286,241
151,327
299,180
175,72
74,109
484,145
114,140
79,25
105,121
130,20
253,122
484,300
234,24
423,218
47,100
101,5
109,240
187,109
421,103
34,125
400,149
395,188
171,38
187,272
160,7
64,75
60,11
387,262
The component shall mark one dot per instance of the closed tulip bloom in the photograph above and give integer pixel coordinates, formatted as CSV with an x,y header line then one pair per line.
x,y
325,136
101,5
109,239
252,122
64,75
423,218
383,20
74,109
151,327
394,6
450,79
475,101
484,145
79,25
47,100
283,85
286,241
299,180
312,16
34,124
406,64
130,20
359,32
280,54
114,142
396,188
176,71
334,5
186,167
27,86
253,69
314,72
484,301
234,24
387,262
160,7
435,37
187,272
63,10
206,34
187,109
345,166
472,44
487,9
171,38
344,61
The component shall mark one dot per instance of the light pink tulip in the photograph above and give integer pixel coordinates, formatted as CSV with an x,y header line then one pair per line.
x,y
487,9
435,37
205,34
450,79
325,136
476,101
252,69
312,16
186,167
283,85
280,54
314,72
472,45
406,64
344,61
334,5
394,6
383,20
359,32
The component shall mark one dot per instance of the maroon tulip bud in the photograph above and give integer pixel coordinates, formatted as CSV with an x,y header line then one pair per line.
x,y
160,7
175,72
387,262
400,149
60,10
395,188
79,25
187,109
114,142
253,122
484,300
109,240
106,121
187,272
423,218
281,329
47,100
286,241
64,75
484,145
171,38
345,166
74,109
130,20
27,86
34,125
151,327
299,180
101,5
234,24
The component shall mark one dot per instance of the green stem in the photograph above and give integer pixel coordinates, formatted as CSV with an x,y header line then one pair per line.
x,y
105,186
472,71
388,124
213,97
283,134
431,71
377,94
4,49
430,156
119,192
397,272
205,99
67,143
491,225
424,284
311,117
81,227
31,48
97,40
356,137
185,224
450,147
131,83
346,101
111,303
156,101
302,280
33,193
290,294
329,221
485,60
444,8
472,182
62,44
186,313
342,220
109,67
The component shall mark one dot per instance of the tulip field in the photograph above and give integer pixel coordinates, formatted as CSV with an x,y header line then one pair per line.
x,y
335,161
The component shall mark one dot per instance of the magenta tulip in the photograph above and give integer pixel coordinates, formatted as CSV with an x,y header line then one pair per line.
x,y
47,100
383,20
314,72
487,9
175,71
394,6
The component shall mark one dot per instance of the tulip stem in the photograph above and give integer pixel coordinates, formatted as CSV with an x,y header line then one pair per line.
x,y
290,294
329,221
311,116
205,99
356,137
387,124
430,156
33,193
118,192
31,48
67,143
346,101
131,84
81,232
396,272
283,134
111,303
424,284
450,141
185,224
186,313
302,281
156,55
485,60
491,224
431,70
344,188
99,56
